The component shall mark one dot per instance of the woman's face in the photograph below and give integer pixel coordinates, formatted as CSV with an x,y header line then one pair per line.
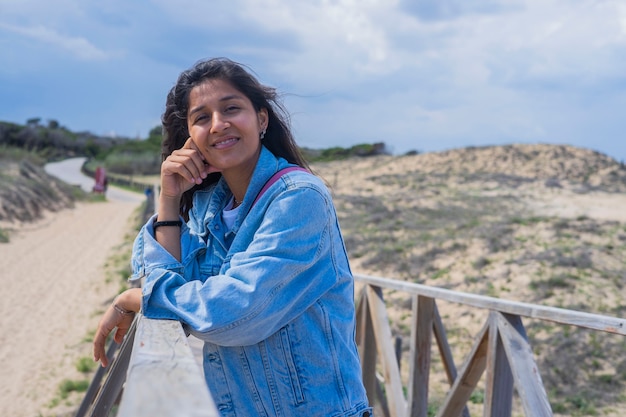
x,y
224,126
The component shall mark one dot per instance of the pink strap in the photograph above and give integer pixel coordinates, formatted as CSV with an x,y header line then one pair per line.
x,y
275,178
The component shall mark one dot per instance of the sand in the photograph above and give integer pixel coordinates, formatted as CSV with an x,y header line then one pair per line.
x,y
54,288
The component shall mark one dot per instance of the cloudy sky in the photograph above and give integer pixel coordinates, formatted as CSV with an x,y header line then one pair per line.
x,y
422,75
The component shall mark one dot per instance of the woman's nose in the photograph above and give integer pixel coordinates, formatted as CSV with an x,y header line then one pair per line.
x,y
219,123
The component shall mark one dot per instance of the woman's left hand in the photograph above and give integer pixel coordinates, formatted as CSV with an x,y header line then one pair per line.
x,y
120,317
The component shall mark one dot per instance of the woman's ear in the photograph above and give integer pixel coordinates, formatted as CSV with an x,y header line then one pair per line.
x,y
263,118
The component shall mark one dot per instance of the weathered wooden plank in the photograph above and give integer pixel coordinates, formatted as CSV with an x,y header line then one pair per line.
x,y
95,387
114,381
445,351
523,366
367,346
468,378
444,348
553,314
499,380
382,331
381,400
164,378
419,365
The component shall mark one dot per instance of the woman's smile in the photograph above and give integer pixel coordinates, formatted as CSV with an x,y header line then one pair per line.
x,y
225,143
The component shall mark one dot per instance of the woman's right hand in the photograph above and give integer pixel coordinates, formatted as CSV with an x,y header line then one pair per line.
x,y
120,315
183,169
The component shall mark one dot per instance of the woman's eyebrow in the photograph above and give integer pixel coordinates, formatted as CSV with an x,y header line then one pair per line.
x,y
222,99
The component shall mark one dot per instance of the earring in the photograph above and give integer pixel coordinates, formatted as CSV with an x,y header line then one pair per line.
x,y
263,133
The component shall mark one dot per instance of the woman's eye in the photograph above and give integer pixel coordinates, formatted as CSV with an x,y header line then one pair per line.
x,y
231,109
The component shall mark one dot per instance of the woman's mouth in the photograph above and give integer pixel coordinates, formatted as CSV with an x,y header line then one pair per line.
x,y
225,143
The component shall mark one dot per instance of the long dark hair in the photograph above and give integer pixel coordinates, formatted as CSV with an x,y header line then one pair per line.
x,y
278,138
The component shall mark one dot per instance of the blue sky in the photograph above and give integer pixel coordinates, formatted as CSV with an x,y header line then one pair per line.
x,y
421,75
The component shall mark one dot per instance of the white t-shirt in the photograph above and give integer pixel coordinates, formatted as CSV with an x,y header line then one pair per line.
x,y
229,214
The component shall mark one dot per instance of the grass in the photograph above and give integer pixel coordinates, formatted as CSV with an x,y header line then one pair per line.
x,y
4,236
85,365
441,273
477,397
67,386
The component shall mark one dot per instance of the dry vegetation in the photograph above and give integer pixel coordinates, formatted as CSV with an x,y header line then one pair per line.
x,y
534,223
27,192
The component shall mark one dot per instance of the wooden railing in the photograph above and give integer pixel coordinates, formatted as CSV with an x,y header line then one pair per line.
x,y
163,378
501,348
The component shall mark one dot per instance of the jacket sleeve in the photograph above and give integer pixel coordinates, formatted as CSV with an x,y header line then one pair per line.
x,y
286,267
148,255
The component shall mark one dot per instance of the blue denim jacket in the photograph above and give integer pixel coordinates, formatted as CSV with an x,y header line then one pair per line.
x,y
272,298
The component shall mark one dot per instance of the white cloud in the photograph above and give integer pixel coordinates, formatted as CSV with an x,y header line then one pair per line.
x,y
321,45
520,75
554,42
441,71
78,47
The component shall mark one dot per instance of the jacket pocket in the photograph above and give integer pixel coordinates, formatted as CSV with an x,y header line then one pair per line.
x,y
291,365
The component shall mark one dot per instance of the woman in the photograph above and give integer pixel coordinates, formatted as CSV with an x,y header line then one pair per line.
x,y
261,277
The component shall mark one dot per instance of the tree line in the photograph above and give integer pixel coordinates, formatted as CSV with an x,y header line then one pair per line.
x,y
51,141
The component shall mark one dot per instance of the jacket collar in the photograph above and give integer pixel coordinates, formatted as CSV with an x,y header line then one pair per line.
x,y
267,165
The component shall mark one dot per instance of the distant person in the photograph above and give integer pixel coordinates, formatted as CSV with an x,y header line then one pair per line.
x,y
101,181
265,284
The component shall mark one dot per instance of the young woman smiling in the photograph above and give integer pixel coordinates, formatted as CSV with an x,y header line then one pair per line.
x,y
246,251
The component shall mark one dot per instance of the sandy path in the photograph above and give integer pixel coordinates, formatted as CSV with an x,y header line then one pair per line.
x,y
53,288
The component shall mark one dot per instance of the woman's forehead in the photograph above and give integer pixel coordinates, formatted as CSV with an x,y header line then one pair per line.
x,y
214,89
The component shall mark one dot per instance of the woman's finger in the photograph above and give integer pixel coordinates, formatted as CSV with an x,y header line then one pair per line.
x,y
188,163
99,341
201,163
123,328
182,165
190,145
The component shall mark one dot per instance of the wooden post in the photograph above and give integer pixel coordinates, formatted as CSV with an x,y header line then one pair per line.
x,y
382,331
528,381
421,342
445,351
499,381
367,346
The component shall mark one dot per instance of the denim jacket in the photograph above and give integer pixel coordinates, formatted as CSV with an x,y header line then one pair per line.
x,y
272,298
